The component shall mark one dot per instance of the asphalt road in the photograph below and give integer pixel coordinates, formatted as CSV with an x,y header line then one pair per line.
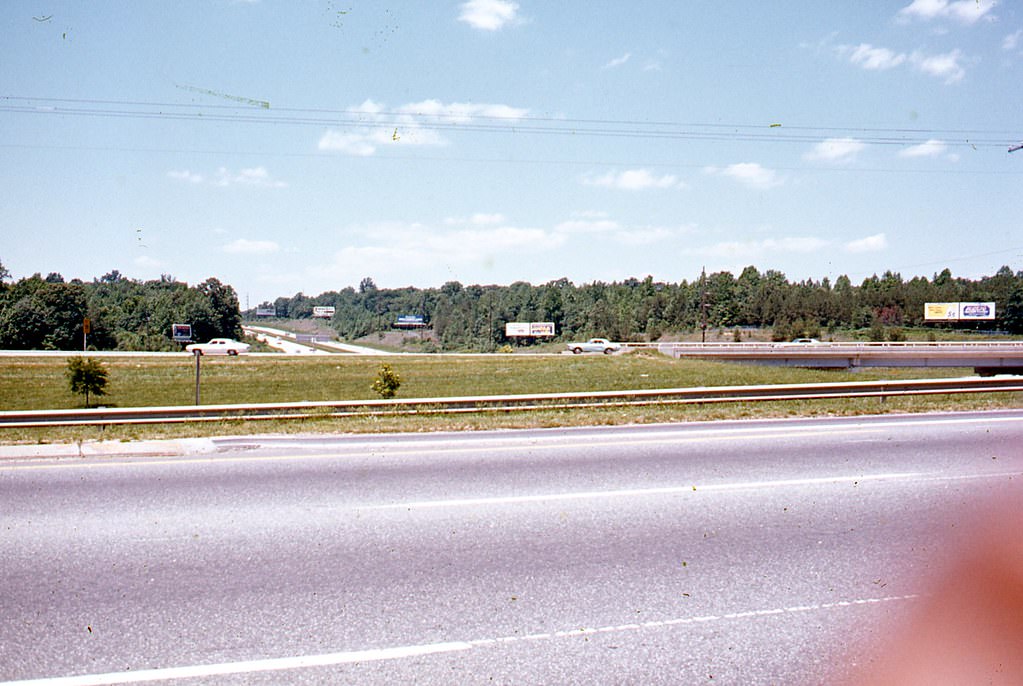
x,y
756,553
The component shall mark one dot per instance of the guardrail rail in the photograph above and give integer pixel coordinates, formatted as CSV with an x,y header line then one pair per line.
x,y
504,403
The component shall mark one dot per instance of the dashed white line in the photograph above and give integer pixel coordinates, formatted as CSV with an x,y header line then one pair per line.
x,y
641,492
402,652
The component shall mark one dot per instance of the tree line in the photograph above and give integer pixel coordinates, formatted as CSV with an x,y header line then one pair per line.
x,y
474,317
49,313
39,312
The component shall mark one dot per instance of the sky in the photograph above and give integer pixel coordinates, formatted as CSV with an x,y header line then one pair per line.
x,y
286,147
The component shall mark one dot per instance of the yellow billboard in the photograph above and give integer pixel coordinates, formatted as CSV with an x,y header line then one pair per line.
x,y
941,312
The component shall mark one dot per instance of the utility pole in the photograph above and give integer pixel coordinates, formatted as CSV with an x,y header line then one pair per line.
x,y
703,305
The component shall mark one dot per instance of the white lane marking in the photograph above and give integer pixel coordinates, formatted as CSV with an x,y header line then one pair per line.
x,y
401,652
420,448
404,449
246,667
661,490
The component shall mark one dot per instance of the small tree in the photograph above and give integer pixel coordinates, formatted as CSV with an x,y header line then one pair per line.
x,y
387,382
86,375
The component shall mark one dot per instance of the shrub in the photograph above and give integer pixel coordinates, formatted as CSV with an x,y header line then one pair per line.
x,y
86,375
387,382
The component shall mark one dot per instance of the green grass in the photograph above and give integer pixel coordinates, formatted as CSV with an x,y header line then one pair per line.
x,y
39,383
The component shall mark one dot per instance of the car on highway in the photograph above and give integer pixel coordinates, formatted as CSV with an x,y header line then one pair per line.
x,y
595,345
805,341
218,346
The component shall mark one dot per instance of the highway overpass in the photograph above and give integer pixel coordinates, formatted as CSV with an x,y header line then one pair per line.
x,y
985,357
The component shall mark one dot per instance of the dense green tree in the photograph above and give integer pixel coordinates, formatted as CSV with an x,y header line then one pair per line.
x,y
224,308
1012,319
38,313
47,316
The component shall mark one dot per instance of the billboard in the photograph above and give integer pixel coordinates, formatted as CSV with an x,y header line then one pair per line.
x,y
266,312
409,321
958,312
977,311
529,329
181,332
541,328
941,312
512,329
323,312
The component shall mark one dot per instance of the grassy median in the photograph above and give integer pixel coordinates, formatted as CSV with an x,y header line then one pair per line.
x,y
39,383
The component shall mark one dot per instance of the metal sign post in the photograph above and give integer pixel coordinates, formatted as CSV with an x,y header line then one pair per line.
x,y
197,354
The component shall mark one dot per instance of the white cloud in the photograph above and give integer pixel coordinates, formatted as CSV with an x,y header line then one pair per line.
x,y
874,58
801,245
390,251
1011,42
587,225
962,11
634,180
483,219
839,150
252,176
458,112
931,148
415,123
489,15
649,235
944,66
874,243
243,246
751,174
186,176
477,219
355,144
618,61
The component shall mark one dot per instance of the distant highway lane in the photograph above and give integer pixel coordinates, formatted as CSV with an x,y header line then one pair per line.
x,y
758,552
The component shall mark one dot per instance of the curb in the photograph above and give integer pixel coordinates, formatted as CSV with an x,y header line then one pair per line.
x,y
181,446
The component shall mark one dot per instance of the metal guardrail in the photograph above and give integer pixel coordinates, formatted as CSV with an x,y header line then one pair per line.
x,y
991,346
985,357
504,403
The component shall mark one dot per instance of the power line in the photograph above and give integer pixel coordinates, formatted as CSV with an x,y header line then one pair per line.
x,y
488,123
535,118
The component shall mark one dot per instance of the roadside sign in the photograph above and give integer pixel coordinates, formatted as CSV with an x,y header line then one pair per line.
x,y
181,333
410,321
957,312
529,329
541,329
985,311
512,329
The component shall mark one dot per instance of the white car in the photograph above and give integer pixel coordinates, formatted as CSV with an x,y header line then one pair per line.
x,y
595,345
218,346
